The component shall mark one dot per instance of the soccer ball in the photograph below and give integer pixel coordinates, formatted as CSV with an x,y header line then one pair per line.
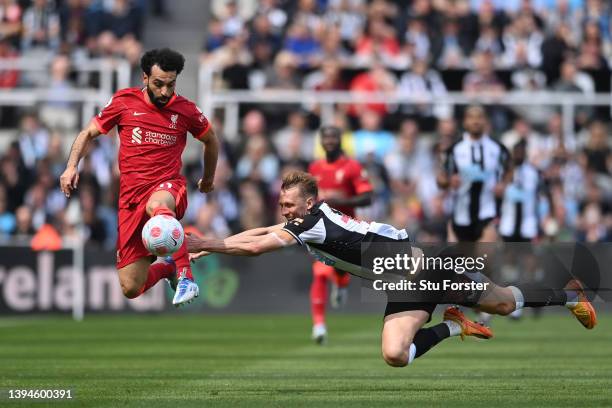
x,y
162,235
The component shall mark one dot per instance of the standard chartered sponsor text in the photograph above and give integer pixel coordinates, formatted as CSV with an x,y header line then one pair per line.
x,y
159,138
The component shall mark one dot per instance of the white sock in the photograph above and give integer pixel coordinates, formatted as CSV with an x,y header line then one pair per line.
x,y
453,327
519,300
411,353
574,299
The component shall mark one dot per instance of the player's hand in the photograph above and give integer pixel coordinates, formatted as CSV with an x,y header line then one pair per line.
x,y
69,180
499,189
198,255
455,181
206,185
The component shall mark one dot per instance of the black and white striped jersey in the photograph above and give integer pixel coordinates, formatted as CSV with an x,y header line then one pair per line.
x,y
337,239
481,163
519,210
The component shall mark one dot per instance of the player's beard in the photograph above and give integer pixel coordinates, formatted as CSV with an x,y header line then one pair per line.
x,y
154,100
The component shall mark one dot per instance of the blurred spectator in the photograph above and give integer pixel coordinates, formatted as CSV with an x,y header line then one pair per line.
x,y
554,50
379,44
210,221
232,20
453,51
597,154
275,15
422,82
9,78
73,17
572,80
58,112
377,79
411,166
301,42
284,74
214,36
333,49
262,32
295,142
253,212
483,79
7,218
10,21
41,26
36,200
348,16
371,139
94,229
258,163
24,228
33,140
522,42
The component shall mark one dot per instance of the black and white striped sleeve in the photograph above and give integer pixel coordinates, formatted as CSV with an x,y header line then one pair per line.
x,y
311,228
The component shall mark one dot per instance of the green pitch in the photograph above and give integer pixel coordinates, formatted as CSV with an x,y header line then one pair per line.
x,y
204,361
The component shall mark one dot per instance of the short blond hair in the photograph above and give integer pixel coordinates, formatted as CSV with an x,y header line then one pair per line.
x,y
306,182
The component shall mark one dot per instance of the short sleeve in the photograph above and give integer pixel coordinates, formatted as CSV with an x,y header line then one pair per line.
x,y
308,229
198,123
109,116
359,180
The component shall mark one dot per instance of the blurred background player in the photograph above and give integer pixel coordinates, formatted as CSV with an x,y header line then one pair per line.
x,y
153,123
343,184
476,170
519,220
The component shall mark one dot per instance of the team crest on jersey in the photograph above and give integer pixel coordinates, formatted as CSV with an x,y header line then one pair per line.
x,y
339,176
173,120
297,221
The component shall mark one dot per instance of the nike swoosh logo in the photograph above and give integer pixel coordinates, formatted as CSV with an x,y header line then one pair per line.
x,y
175,241
139,113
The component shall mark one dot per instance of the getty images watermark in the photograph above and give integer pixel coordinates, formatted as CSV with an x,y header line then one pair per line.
x,y
409,265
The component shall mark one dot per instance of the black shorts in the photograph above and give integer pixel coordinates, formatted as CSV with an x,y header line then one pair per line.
x,y
398,302
472,232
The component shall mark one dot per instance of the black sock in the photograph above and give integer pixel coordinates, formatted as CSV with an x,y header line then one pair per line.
x,y
539,296
425,339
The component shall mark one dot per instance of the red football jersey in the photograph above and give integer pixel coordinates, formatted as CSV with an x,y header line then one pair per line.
x,y
345,176
151,139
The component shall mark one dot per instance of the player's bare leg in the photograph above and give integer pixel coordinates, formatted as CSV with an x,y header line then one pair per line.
x,y
163,203
139,276
318,298
404,338
133,277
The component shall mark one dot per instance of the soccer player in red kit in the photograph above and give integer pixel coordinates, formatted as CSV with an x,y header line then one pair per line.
x,y
343,185
152,123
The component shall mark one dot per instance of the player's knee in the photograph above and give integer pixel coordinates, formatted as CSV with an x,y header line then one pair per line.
x,y
505,308
130,290
395,356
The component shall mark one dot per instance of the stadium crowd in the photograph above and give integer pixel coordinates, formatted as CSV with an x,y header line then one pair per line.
x,y
418,46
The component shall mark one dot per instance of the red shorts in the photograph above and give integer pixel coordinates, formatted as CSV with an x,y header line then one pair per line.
x,y
133,218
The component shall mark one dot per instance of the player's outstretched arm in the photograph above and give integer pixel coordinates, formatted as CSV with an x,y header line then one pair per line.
x,y
211,154
245,245
70,178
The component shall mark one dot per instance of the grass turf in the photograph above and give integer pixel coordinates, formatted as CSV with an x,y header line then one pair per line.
x,y
254,360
